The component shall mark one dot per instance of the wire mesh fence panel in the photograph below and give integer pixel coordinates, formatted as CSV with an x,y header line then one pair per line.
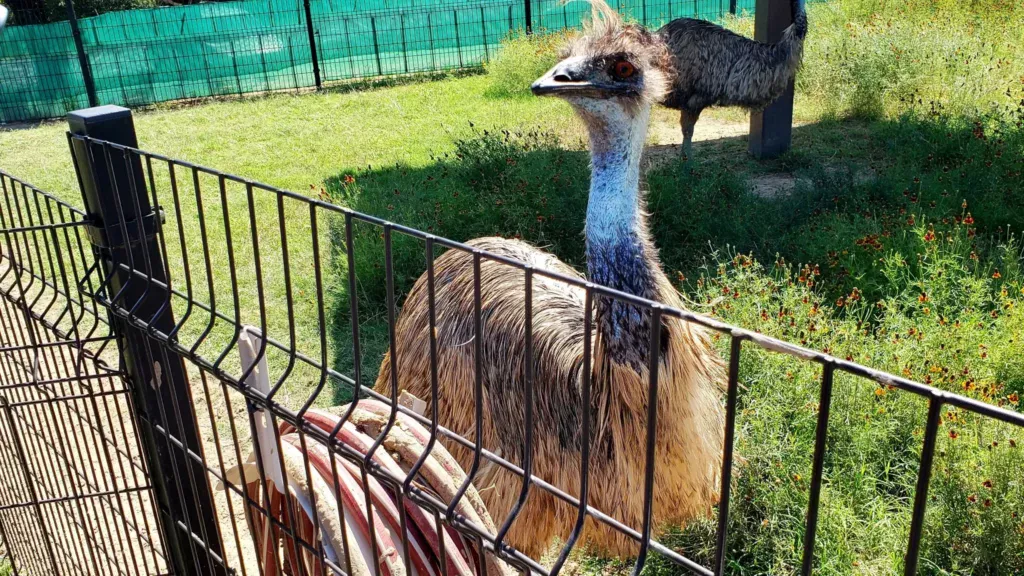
x,y
143,56
74,487
40,75
279,307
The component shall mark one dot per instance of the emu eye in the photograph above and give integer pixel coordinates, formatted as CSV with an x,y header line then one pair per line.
x,y
623,70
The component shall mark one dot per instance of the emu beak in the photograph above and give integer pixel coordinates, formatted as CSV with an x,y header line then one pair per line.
x,y
566,77
571,77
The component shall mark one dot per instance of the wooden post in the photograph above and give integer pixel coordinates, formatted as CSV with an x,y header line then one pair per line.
x,y
772,129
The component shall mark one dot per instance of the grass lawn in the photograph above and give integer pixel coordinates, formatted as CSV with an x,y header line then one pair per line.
x,y
887,235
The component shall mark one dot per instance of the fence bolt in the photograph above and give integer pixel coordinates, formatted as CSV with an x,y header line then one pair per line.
x,y
124,236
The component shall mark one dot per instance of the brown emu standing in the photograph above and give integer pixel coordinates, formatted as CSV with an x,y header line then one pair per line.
x,y
716,67
611,76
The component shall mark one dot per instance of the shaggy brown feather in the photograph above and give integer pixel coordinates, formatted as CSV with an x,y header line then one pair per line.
x,y
689,417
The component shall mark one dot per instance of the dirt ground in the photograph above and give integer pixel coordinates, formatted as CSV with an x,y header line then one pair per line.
x,y
74,496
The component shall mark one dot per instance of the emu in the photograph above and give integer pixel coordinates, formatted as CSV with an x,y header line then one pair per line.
x,y
716,67
611,76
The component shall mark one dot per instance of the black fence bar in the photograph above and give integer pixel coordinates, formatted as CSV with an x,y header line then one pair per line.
x,y
924,476
653,367
108,184
820,440
733,384
83,59
528,15
312,44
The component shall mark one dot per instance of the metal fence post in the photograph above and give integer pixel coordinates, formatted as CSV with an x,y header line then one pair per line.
x,y
83,61
771,130
312,44
528,16
112,186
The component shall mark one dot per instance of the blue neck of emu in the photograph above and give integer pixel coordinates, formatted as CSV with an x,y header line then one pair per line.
x,y
619,254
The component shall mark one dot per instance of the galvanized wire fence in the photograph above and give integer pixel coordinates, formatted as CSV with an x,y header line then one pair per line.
x,y
144,56
127,405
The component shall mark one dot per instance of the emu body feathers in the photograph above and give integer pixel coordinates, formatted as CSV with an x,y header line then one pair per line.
x,y
716,67
689,433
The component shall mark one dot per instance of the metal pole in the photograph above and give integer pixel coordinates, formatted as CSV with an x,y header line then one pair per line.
x,y
771,130
732,7
483,29
405,51
528,16
376,45
312,44
83,61
113,185
458,42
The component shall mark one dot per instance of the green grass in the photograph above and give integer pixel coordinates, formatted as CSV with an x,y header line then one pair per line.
x,y
896,247
296,142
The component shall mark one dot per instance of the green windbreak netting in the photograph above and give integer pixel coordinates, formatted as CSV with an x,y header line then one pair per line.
x,y
154,55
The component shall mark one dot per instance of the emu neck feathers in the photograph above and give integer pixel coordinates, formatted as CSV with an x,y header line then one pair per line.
x,y
617,245
619,253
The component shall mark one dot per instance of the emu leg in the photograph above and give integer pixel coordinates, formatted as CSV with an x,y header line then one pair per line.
x,y
688,119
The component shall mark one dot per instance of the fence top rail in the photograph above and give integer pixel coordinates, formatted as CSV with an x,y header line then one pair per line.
x,y
762,341
35,190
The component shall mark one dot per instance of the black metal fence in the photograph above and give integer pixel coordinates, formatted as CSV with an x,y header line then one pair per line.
x,y
123,402
143,56
75,492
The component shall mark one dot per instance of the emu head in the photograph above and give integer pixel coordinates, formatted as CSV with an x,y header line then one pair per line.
x,y
611,72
